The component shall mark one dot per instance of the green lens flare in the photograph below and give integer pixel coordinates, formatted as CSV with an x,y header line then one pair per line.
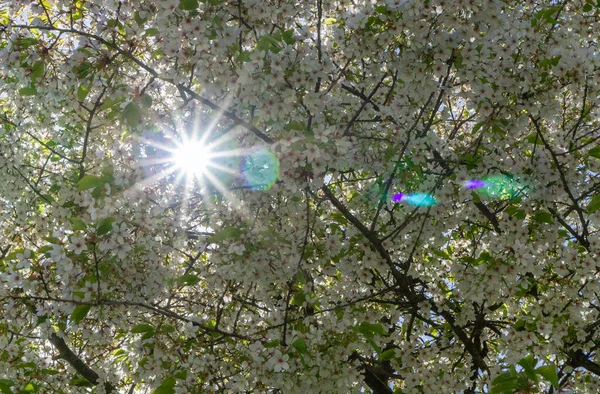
x,y
502,186
260,169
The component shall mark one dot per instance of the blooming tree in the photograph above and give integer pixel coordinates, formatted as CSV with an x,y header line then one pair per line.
x,y
287,266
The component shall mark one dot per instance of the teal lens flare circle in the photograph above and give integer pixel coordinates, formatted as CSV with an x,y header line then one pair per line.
x,y
260,169
421,200
501,186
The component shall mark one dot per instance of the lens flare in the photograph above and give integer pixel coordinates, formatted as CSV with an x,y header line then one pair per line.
x,y
416,199
260,169
474,184
421,200
501,186
398,197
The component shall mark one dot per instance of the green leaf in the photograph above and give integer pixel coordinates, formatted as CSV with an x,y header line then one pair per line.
x,y
339,218
227,232
182,374
108,103
504,388
47,371
268,42
587,8
167,328
370,329
28,91
594,204
244,56
25,42
5,386
542,216
113,23
188,5
89,181
554,61
548,372
82,92
77,224
28,365
376,328
152,32
330,21
98,192
147,335
505,377
483,257
374,345
146,101
528,364
477,127
387,355
515,212
81,382
82,70
288,37
138,19
132,114
299,298
595,152
80,313
532,138
295,125
300,346
140,328
104,226
441,253
37,70
382,9
272,343
188,279
165,389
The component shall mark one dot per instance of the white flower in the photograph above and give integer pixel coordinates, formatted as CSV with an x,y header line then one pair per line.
x,y
57,254
24,259
119,232
93,213
88,200
77,245
237,249
107,244
67,265
312,152
14,279
279,361
122,250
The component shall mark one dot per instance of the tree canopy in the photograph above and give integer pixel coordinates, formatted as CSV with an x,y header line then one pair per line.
x,y
277,196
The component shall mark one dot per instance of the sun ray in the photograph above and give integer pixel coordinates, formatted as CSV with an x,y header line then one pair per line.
x,y
198,161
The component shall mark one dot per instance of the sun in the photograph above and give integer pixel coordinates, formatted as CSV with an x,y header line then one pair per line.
x,y
199,160
192,158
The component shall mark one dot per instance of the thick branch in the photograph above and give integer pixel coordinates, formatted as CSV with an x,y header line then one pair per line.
x,y
579,359
77,363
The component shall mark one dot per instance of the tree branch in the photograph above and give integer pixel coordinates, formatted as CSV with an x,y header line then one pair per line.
x,y
77,363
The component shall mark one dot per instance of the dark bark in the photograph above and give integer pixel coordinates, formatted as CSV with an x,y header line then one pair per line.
x,y
77,363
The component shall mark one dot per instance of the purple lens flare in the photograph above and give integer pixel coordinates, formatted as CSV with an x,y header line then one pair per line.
x,y
474,184
398,197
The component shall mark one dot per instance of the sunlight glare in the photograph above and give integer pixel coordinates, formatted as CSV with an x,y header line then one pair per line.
x,y
192,158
